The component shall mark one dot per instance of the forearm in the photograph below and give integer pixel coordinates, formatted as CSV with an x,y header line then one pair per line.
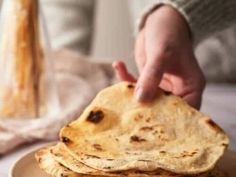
x,y
204,17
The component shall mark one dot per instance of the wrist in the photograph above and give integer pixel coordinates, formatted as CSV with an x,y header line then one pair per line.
x,y
173,15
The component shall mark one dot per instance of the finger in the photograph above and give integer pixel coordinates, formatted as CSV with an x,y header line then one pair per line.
x,y
192,85
194,95
190,88
166,84
140,56
194,99
121,72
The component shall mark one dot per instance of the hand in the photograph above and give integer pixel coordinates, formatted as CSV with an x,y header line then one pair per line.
x,y
165,58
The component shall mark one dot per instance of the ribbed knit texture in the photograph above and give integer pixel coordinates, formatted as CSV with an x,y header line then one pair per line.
x,y
205,17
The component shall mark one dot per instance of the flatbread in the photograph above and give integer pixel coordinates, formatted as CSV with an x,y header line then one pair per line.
x,y
117,133
54,168
48,164
61,155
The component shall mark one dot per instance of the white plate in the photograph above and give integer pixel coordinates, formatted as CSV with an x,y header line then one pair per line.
x,y
27,166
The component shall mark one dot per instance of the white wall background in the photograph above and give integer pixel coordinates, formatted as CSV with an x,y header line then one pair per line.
x,y
114,33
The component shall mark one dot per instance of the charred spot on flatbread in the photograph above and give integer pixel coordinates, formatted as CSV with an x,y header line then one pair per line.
x,y
138,117
144,160
148,119
167,93
64,175
65,140
136,138
98,147
224,144
68,126
185,154
130,86
95,116
146,128
39,159
213,125
92,156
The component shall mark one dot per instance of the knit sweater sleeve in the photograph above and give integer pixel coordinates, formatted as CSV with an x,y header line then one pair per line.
x,y
205,17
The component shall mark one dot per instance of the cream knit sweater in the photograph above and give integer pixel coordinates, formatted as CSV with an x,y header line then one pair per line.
x,y
74,18
205,17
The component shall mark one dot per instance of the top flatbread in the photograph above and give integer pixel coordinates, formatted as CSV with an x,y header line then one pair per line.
x,y
115,133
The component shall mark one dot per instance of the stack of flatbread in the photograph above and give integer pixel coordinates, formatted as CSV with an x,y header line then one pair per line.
x,y
118,136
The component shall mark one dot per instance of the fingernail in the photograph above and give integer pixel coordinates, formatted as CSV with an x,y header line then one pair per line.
x,y
142,95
